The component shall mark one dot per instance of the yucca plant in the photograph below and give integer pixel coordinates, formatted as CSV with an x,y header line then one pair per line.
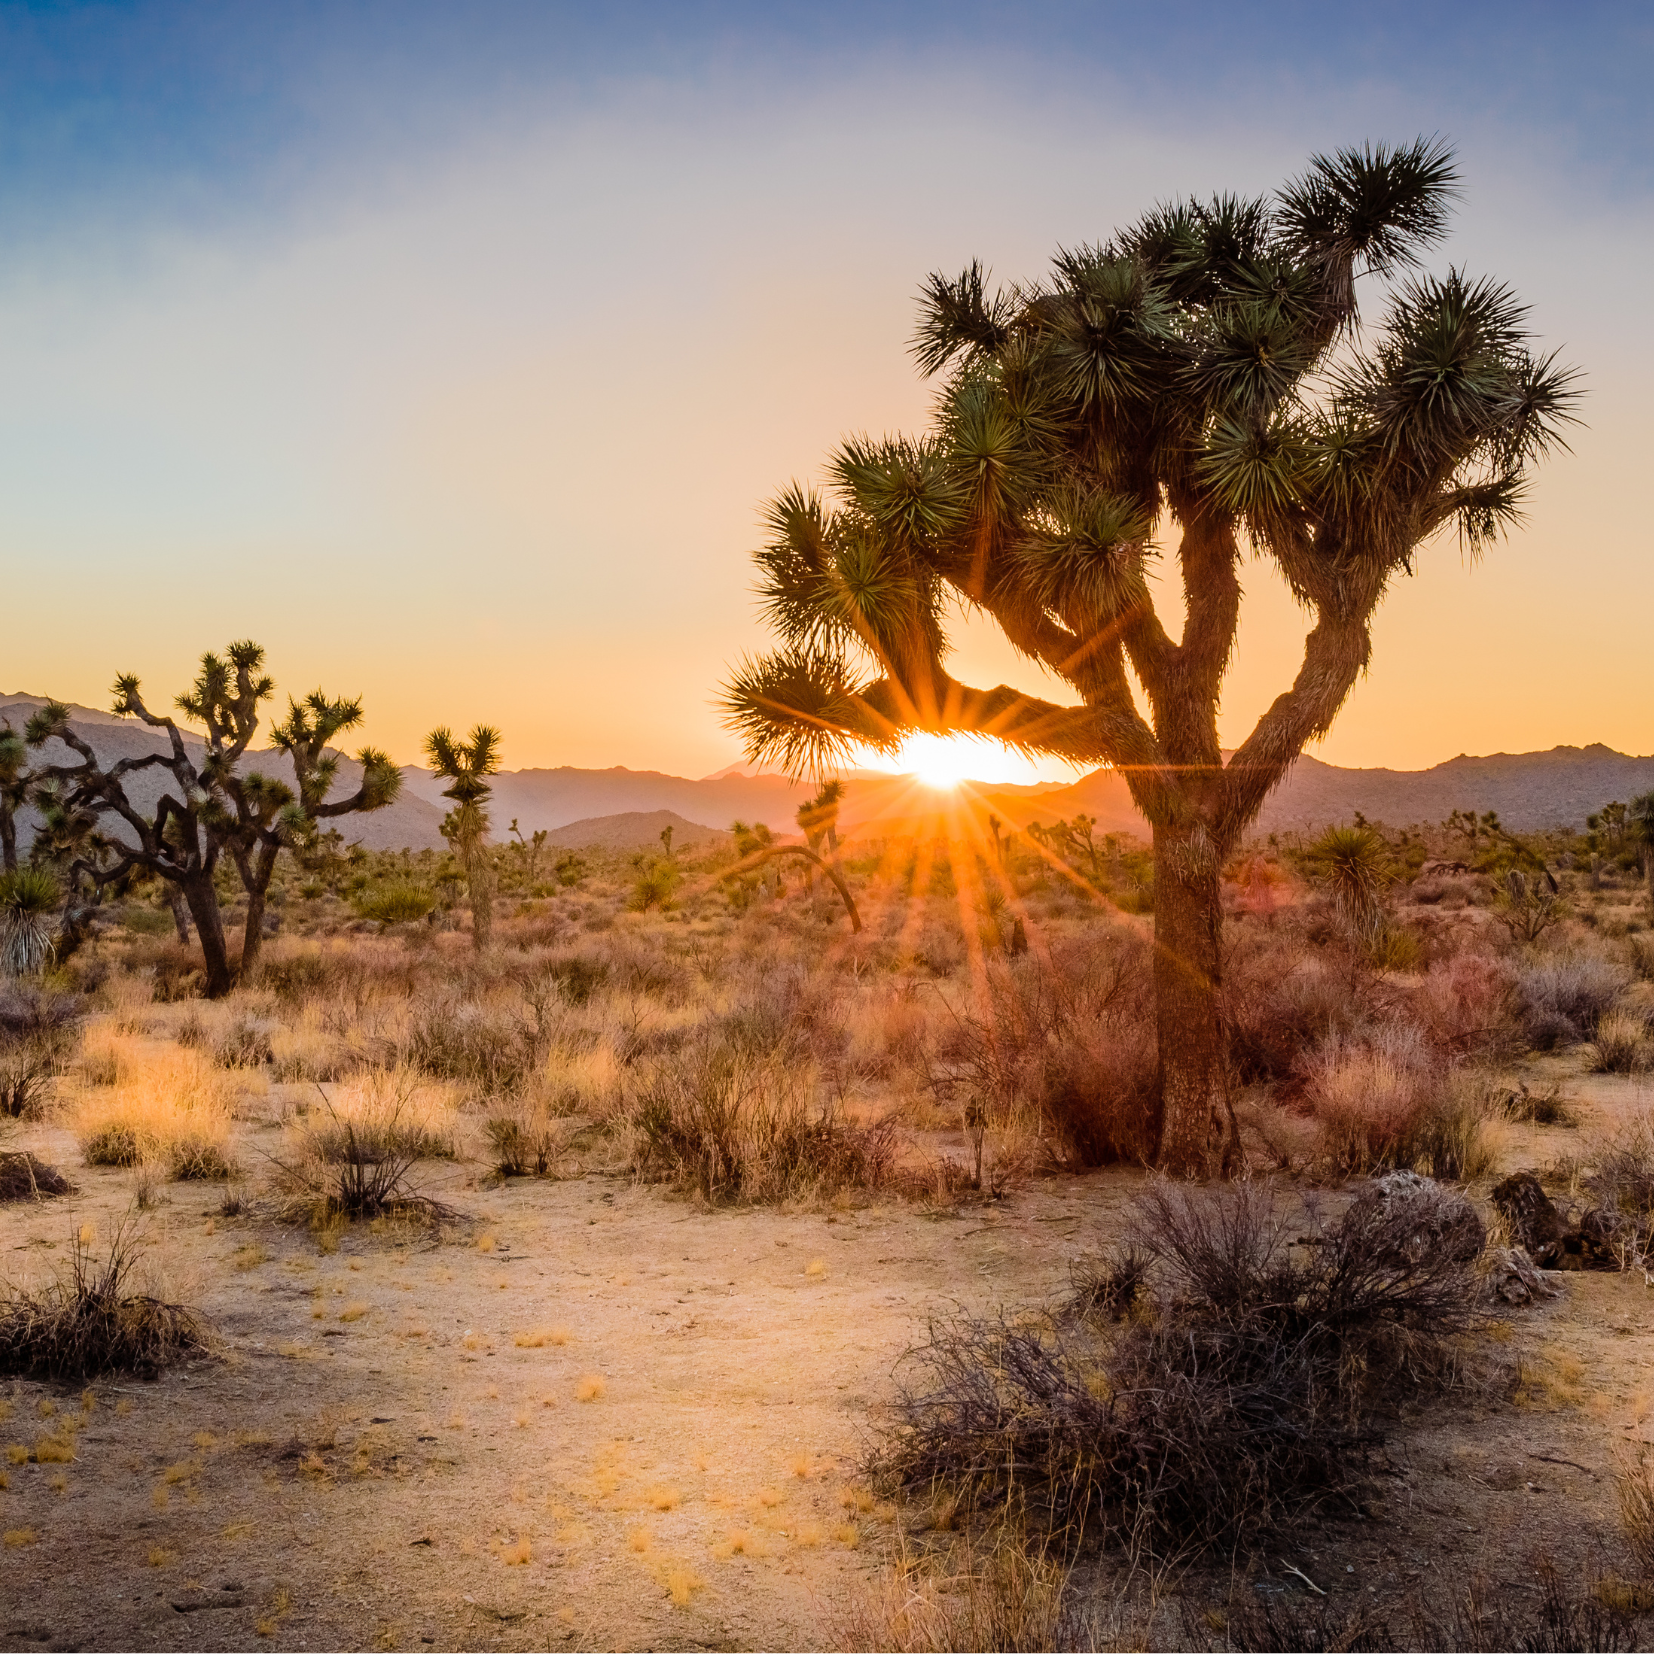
x,y
28,898
467,765
1205,370
1353,863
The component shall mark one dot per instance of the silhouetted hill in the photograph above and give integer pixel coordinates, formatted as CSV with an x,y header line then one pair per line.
x,y
635,830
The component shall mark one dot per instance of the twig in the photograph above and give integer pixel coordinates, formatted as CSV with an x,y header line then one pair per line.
x,y
1545,1458
1287,1566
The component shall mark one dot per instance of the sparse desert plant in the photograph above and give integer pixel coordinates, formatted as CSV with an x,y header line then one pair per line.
x,y
527,1141
24,1176
1621,1045
90,1321
351,1164
1564,999
243,1043
1250,1389
1634,1483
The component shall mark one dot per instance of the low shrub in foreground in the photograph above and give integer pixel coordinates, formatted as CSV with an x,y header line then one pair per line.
x,y
89,1321
1232,1378
347,1166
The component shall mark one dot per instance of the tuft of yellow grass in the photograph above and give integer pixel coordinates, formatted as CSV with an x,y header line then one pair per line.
x,y
248,1257
88,1234
769,1497
17,1453
160,1498
59,1483
205,1441
269,1622
474,1341
353,1312
663,1498
159,1556
682,1583
239,1530
45,1407
800,1465
589,1388
123,1408
639,1539
808,1534
175,1107
855,1498
531,1340
486,1243
54,1450
816,1268
559,1336
16,1538
456,1421
180,1472
514,1556
848,1535
742,1542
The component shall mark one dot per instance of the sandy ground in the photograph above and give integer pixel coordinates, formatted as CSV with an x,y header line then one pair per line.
x,y
375,1449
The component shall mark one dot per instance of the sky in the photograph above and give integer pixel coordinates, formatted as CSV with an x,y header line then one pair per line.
x,y
451,350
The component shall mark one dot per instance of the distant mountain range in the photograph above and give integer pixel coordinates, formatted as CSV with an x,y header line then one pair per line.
x,y
627,808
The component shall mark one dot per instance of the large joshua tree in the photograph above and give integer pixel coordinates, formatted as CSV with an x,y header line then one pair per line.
x,y
466,765
1206,375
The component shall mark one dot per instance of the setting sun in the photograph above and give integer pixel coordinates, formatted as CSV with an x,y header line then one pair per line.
x,y
943,761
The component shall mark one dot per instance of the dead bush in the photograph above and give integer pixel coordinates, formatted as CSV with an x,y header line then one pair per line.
x,y
1250,1385
493,1051
26,1177
89,1321
245,1043
528,1140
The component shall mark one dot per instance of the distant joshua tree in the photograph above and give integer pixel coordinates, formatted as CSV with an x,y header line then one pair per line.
x,y
467,764
1205,368
14,783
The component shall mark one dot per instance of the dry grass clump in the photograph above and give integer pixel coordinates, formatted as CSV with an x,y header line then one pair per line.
x,y
1244,1382
351,1160
1483,1618
1634,1483
89,1321
1385,1100
1563,1000
729,1124
174,1109
1002,1594
527,1139
1621,1045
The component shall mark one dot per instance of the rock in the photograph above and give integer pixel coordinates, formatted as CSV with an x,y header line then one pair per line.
x,y
1511,1276
1533,1221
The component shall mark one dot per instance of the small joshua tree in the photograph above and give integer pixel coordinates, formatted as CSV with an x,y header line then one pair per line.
x,y
467,765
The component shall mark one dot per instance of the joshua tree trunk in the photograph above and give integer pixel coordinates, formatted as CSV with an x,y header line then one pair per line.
x,y
479,876
255,879
1194,1125
180,913
8,839
209,926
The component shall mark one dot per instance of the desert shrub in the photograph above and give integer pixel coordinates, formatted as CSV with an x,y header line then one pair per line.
x,y
1385,1099
496,1052
1071,1038
731,1125
308,1053
1642,956
146,921
89,1321
578,978
1563,1000
23,1176
245,1043
199,1157
397,903
354,1163
1467,1005
1622,1183
1621,1043
528,1140
1286,998
38,1031
1251,1386
1544,1106
655,885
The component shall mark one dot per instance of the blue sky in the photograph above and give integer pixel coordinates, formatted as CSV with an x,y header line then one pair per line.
x,y
450,349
